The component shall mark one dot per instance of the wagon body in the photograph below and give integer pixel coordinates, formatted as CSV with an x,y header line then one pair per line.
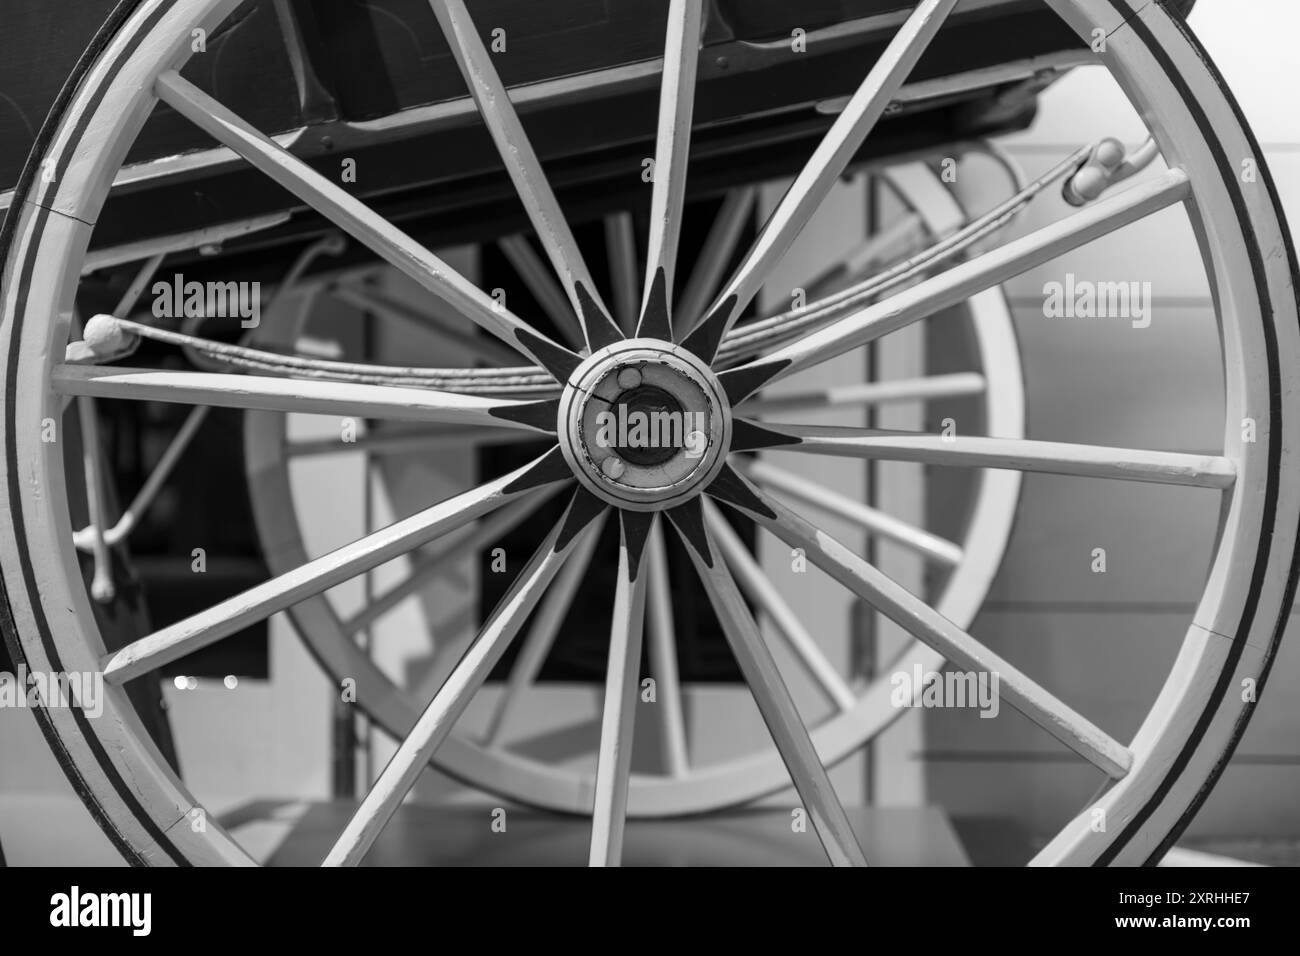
x,y
376,84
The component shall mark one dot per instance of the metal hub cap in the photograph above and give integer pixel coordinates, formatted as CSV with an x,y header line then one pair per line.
x,y
644,424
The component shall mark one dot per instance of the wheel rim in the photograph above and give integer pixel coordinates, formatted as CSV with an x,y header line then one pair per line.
x,y
1160,780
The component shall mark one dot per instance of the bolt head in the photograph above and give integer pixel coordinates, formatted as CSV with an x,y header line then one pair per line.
x,y
1110,153
613,468
629,377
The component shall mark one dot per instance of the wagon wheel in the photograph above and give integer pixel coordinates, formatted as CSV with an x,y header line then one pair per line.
x,y
1154,783
849,713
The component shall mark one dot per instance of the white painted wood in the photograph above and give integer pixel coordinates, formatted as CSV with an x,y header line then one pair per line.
x,y
541,636
953,385
101,585
913,614
1061,458
138,284
892,244
197,416
179,242
349,214
832,155
520,159
902,489
872,520
273,394
121,344
95,479
663,657
439,560
762,591
716,781
123,776
541,282
777,707
130,517
826,609
369,299
672,144
984,271
618,717
407,441
959,236
624,270
260,602
719,247
897,752
448,704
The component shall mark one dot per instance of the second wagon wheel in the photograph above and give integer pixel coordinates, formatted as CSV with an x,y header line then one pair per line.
x,y
1152,784
848,714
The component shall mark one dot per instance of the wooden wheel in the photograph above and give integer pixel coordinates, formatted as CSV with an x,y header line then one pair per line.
x,y
1153,783
849,712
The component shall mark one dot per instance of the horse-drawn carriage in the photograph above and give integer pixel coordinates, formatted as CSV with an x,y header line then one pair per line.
x,y
572,194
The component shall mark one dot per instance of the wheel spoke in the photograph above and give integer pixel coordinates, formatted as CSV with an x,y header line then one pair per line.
x,y
541,636
152,485
525,170
773,331
672,155
762,591
486,350
769,690
407,440
663,656
868,394
454,696
141,281
928,625
823,169
960,282
719,247
343,564
363,223
614,764
539,279
870,520
888,245
445,554
624,271
102,588
120,531
162,246
1016,454
273,394
832,293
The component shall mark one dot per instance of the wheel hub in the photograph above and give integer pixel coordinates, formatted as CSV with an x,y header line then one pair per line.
x,y
644,424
